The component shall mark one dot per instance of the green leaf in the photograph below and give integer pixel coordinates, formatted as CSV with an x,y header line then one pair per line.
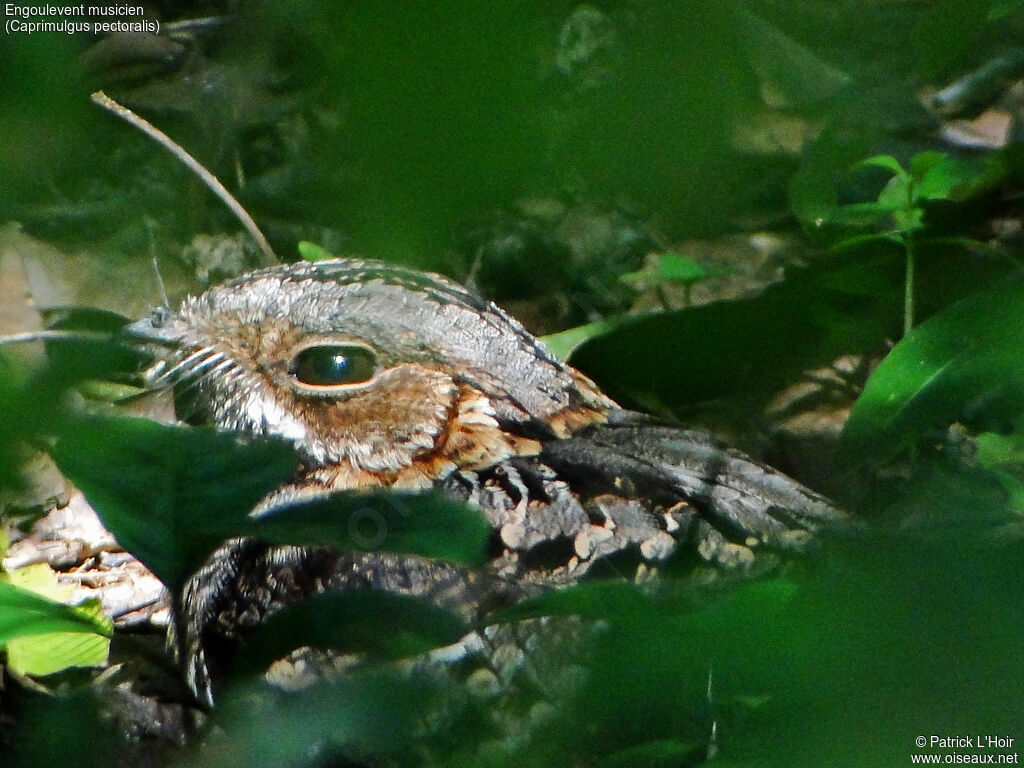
x,y
671,267
965,359
74,360
73,318
380,624
24,613
859,241
170,495
681,269
957,178
999,450
932,176
896,194
883,161
313,252
563,343
426,524
860,215
909,220
44,654
1003,456
924,162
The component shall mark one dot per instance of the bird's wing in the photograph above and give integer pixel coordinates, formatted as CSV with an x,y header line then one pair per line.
x,y
637,485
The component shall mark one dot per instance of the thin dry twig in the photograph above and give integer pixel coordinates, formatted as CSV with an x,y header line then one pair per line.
x,y
211,181
51,335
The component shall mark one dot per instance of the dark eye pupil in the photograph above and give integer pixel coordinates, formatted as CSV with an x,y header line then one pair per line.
x,y
330,365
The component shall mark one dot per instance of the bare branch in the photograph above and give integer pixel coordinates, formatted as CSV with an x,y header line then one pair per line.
x,y
211,181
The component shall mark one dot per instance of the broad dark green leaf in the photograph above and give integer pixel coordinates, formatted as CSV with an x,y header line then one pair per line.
x,y
76,318
32,396
72,361
965,361
24,613
850,303
380,624
431,525
170,495
679,358
900,631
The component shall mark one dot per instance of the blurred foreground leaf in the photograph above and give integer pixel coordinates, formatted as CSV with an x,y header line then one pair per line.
x,y
847,659
170,495
55,729
377,714
380,624
427,524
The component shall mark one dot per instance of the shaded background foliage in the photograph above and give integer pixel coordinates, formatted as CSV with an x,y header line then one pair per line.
x,y
542,151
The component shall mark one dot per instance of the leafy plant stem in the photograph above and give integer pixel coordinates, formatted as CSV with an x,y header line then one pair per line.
x,y
908,287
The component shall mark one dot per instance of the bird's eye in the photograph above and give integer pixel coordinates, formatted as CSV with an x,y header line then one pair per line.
x,y
330,365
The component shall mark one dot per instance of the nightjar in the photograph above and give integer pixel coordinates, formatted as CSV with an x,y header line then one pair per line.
x,y
384,376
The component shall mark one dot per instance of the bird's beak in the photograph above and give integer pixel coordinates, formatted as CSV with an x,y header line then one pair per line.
x,y
162,326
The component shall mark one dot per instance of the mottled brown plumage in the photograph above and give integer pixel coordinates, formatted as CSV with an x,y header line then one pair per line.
x,y
382,376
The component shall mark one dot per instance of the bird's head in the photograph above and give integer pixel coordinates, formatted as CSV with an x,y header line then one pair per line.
x,y
378,374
